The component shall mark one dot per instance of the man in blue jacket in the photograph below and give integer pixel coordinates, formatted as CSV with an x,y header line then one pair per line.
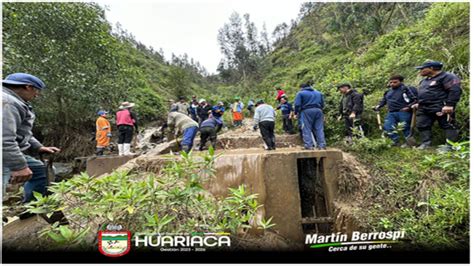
x,y
309,104
399,99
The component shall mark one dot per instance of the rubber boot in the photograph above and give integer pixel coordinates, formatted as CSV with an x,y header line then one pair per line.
x,y
120,148
452,134
425,139
126,149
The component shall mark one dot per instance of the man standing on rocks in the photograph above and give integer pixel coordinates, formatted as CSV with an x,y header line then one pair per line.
x,y
264,119
18,141
438,95
309,104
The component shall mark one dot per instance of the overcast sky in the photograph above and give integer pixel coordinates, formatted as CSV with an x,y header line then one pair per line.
x,y
191,27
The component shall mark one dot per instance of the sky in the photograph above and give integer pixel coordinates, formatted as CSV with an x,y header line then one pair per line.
x,y
191,26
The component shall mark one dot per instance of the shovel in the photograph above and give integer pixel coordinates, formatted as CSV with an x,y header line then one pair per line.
x,y
411,141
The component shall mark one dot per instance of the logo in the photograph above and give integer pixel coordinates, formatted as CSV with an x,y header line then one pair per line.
x,y
114,243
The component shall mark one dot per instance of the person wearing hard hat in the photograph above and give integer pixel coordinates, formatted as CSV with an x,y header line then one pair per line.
x,y
103,132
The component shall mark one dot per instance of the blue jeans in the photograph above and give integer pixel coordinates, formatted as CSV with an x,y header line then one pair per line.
x,y
188,136
312,126
38,181
391,121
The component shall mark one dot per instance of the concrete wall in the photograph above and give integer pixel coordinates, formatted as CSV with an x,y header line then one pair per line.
x,y
274,176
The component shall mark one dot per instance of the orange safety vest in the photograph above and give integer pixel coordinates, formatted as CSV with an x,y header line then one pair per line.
x,y
102,126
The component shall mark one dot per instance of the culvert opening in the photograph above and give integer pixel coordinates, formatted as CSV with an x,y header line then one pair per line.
x,y
314,212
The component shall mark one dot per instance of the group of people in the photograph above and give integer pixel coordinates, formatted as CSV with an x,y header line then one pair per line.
x,y
434,100
127,123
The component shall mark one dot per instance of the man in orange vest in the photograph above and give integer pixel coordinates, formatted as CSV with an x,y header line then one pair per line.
x,y
103,133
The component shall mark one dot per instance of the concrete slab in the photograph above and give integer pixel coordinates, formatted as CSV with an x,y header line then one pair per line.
x,y
97,166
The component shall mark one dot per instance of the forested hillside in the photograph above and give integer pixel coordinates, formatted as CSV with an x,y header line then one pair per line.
x,y
359,43
87,67
363,44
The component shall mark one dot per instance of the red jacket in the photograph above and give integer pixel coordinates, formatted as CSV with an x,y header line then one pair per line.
x,y
280,93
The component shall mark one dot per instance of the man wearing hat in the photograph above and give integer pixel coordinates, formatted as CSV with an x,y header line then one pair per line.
x,y
18,141
203,110
103,132
126,120
438,94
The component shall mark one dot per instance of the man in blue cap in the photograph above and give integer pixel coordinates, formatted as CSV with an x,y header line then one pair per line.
x,y
18,141
438,94
309,104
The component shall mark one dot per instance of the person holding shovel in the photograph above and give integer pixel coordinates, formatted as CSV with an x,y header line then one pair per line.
x,y
351,107
399,99
438,94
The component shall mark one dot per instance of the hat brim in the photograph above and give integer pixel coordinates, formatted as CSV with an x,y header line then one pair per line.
x,y
420,67
128,106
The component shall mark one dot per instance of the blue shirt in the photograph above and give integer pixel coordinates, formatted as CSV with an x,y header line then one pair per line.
x,y
399,98
285,108
217,108
210,122
308,98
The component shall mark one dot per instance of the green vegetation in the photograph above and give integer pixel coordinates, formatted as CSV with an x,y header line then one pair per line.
x,y
425,31
426,193
87,67
174,201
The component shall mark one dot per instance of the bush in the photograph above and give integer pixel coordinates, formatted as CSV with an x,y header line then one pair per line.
x,y
172,202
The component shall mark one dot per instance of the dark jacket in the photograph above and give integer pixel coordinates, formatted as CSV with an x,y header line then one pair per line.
x,y
203,112
436,92
210,122
399,98
285,108
308,98
353,102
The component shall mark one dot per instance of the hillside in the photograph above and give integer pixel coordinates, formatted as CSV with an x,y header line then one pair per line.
x,y
88,67
340,43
